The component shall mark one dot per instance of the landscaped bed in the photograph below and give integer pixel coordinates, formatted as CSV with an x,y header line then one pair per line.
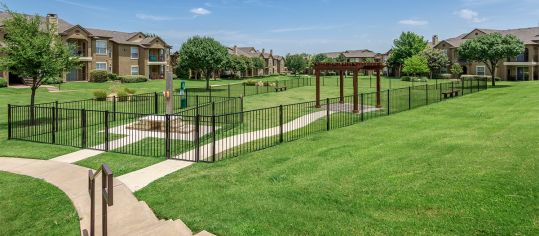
x,y
462,167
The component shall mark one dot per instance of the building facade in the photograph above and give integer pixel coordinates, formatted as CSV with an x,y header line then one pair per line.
x,y
117,52
523,67
273,64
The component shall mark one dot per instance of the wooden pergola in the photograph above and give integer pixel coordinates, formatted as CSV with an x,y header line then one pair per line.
x,y
349,66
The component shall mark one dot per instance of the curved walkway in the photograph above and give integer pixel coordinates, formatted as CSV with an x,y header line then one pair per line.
x,y
127,216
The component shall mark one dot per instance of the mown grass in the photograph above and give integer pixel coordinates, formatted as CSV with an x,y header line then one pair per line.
x,y
461,167
33,207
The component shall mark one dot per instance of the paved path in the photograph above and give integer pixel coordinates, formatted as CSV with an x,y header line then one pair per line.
x,y
127,216
94,151
141,178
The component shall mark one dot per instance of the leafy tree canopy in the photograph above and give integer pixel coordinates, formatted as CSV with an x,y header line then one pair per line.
x,y
407,45
296,63
490,49
436,60
204,53
416,65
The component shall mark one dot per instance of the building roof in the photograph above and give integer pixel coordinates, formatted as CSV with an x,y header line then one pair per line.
x,y
252,52
527,35
363,53
115,36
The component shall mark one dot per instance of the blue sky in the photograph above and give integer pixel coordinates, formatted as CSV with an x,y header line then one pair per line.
x,y
291,25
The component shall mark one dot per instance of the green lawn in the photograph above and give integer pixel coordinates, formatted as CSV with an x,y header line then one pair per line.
x,y
461,167
33,207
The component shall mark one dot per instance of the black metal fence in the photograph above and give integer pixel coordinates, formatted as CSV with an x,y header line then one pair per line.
x,y
214,130
253,88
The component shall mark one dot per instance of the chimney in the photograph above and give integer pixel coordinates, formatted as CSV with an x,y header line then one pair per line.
x,y
434,40
52,23
235,50
263,50
271,52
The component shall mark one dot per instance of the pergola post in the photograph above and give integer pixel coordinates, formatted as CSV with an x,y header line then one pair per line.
x,y
317,72
356,93
378,102
341,86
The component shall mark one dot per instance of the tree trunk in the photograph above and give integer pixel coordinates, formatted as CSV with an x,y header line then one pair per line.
x,y
208,79
493,75
33,102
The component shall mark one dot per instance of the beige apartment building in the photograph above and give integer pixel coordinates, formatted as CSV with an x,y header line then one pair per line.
x,y
117,52
274,64
523,67
356,55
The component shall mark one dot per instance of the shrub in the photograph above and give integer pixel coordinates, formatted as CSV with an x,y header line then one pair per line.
x,y
133,78
250,83
445,76
122,96
100,95
113,77
130,91
3,82
405,78
99,76
53,81
474,77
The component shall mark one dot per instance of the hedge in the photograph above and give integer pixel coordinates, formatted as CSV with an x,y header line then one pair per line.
x,y
133,78
3,82
99,76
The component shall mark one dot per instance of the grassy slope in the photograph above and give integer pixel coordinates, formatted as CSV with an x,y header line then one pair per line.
x,y
465,166
33,207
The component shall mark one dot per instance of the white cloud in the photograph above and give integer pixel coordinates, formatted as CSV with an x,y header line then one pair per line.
x,y
470,15
413,22
200,11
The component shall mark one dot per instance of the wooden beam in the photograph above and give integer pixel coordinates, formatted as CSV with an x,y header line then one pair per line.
x,y
378,102
341,86
317,71
356,93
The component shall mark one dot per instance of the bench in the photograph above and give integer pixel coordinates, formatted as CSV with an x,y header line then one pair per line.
x,y
451,93
280,89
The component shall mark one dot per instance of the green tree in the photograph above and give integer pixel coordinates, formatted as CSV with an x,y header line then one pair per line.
x,y
296,63
490,49
407,45
436,59
318,58
204,54
456,70
258,63
32,51
340,58
416,65
236,64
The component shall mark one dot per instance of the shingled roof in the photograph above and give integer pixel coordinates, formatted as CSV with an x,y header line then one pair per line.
x,y
115,36
527,35
363,53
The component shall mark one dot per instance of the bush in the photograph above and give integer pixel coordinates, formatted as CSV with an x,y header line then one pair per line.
x,y
99,76
445,76
122,96
133,79
100,95
405,78
3,82
53,81
113,77
250,83
474,77
130,91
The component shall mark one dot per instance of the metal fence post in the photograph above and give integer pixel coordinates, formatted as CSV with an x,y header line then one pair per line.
x,y
388,99
114,108
83,127
155,103
9,122
409,98
462,86
56,113
280,123
244,89
241,109
427,94
53,124
107,131
197,138
228,90
196,104
167,136
257,88
361,106
327,115
210,94
213,137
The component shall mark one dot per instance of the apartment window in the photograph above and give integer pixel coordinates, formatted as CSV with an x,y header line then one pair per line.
x,y
101,66
101,47
480,70
134,52
134,70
